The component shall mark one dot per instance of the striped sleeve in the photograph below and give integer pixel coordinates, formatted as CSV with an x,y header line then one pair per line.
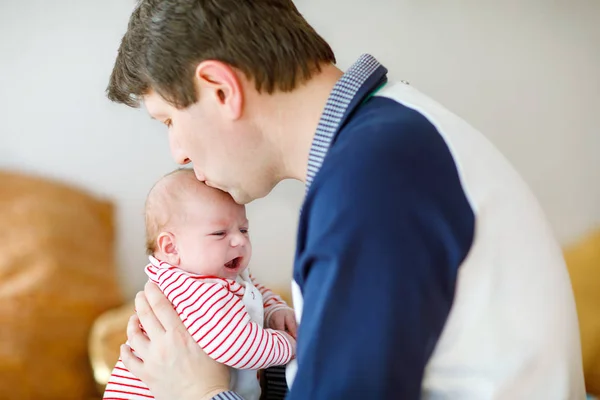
x,y
271,301
123,385
218,321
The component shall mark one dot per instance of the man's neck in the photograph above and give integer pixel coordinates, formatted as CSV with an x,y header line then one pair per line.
x,y
293,120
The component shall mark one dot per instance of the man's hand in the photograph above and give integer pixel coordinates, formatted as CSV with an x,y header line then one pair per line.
x,y
284,319
170,362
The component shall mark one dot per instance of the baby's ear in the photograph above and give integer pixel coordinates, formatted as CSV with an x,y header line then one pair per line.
x,y
166,245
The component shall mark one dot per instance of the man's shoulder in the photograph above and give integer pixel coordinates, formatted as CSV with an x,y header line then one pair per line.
x,y
389,162
389,143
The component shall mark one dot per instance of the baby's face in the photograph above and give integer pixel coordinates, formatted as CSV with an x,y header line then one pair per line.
x,y
212,238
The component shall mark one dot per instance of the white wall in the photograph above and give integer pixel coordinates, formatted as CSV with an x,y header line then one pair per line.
x,y
526,75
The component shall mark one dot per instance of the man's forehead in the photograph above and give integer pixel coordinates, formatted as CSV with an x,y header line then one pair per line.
x,y
154,104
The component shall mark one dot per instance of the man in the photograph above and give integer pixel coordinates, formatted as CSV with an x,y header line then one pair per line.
x,y
424,266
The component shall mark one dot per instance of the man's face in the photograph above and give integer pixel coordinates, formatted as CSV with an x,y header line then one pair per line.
x,y
226,153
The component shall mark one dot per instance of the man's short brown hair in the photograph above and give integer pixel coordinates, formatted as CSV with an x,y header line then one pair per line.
x,y
268,40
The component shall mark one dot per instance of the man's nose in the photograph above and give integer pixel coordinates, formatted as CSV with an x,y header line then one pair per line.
x,y
182,160
179,157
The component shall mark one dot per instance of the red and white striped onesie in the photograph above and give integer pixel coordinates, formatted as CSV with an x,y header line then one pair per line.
x,y
225,317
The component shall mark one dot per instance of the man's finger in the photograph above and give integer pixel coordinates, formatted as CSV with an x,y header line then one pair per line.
x,y
163,310
133,364
137,339
277,323
148,319
290,323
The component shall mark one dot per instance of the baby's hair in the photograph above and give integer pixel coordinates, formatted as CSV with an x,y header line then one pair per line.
x,y
156,215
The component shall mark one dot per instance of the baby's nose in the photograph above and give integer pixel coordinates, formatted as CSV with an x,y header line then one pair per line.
x,y
238,239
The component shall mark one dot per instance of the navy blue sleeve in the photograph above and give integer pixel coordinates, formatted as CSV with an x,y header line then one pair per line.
x,y
383,231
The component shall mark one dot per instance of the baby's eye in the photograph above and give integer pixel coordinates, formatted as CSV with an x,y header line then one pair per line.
x,y
244,230
220,233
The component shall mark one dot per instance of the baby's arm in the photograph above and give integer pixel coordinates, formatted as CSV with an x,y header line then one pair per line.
x,y
218,321
271,301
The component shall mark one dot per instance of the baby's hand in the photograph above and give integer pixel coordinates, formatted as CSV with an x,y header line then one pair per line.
x,y
284,319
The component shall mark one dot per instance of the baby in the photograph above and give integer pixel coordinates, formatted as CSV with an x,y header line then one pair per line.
x,y
199,249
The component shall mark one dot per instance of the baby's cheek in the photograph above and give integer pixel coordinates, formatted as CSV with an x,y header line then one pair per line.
x,y
248,251
202,261
212,265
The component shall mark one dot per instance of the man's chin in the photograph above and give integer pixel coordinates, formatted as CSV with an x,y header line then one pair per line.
x,y
241,198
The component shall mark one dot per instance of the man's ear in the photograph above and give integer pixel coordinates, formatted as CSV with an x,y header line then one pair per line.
x,y
221,82
168,248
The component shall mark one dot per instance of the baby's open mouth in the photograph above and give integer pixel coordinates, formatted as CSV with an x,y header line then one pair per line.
x,y
233,264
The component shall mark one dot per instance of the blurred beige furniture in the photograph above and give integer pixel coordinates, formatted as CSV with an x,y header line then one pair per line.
x,y
107,335
57,275
583,260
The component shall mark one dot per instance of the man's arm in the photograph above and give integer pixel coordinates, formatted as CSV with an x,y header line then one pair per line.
x,y
384,236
